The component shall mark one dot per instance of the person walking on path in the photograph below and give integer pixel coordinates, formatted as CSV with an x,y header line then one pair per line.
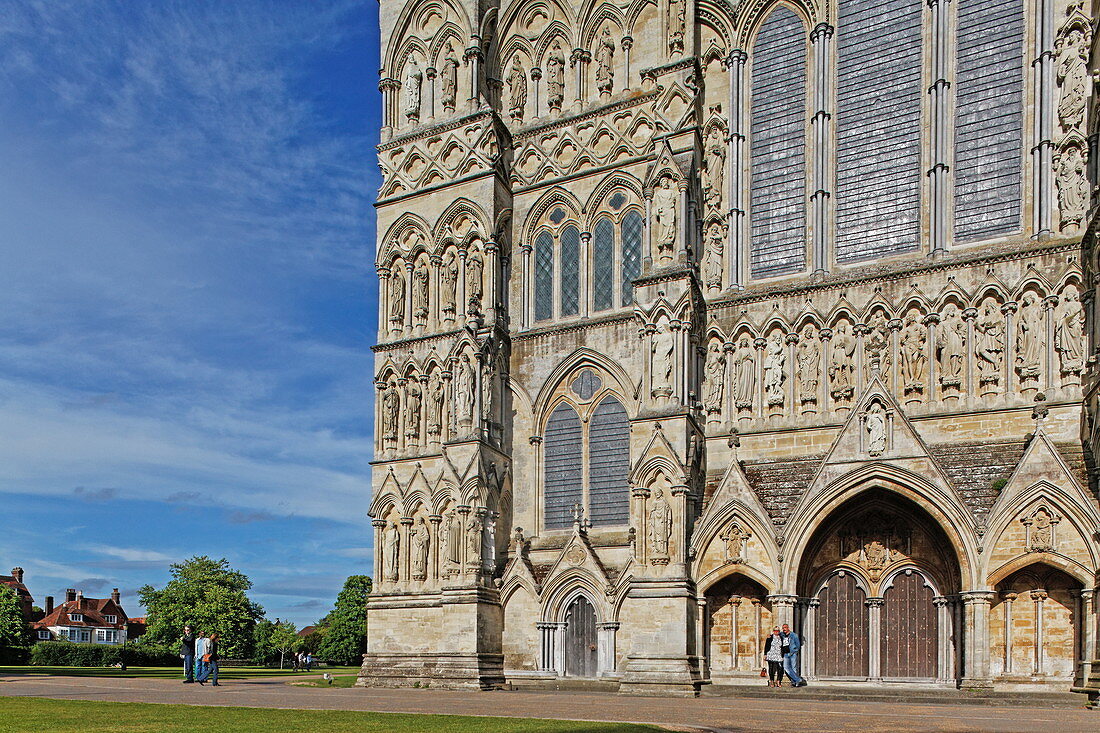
x,y
791,647
200,652
210,661
187,654
773,655
309,661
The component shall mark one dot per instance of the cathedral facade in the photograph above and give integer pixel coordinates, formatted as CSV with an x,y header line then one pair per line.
x,y
701,317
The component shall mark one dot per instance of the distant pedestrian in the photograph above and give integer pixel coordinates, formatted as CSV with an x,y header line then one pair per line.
x,y
773,655
187,654
296,657
792,645
200,653
309,661
210,661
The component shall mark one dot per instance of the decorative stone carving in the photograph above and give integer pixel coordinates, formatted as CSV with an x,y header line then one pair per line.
x,y
663,359
714,168
1069,335
465,392
448,284
448,79
715,369
418,543
414,80
914,359
734,539
1072,182
712,261
392,552
775,361
397,298
605,59
877,343
421,279
951,337
555,78
474,529
874,543
677,22
475,280
875,425
808,367
660,528
1040,530
412,413
391,409
435,408
842,364
989,330
1072,49
1029,341
517,90
744,363
450,540
666,200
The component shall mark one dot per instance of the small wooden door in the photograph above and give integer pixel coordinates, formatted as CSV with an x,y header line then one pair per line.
x,y
580,639
910,631
840,629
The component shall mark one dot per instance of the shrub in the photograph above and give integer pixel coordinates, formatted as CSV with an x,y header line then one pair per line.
x,y
71,654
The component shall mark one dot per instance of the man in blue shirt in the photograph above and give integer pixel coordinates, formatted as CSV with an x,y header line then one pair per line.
x,y
791,646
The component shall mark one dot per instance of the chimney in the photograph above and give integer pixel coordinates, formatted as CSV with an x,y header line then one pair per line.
x,y
116,596
49,605
17,573
70,595
79,598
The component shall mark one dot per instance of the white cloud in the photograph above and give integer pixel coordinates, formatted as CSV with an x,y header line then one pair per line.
x,y
132,554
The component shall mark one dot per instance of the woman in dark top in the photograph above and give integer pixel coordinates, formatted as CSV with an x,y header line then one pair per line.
x,y
211,659
773,655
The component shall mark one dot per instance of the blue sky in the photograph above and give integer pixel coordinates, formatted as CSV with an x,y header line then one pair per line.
x,y
187,292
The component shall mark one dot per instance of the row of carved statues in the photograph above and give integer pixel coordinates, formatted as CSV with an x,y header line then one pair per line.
x,y
921,355
427,290
456,535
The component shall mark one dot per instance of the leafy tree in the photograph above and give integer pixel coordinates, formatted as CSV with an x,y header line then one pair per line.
x,y
13,629
209,595
345,628
283,639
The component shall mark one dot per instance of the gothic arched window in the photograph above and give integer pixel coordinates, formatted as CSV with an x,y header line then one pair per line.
x,y
587,455
603,265
544,276
570,270
878,128
989,90
777,212
632,254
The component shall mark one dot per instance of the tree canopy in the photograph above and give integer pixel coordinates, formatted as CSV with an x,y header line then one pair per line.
x,y
210,596
13,627
345,635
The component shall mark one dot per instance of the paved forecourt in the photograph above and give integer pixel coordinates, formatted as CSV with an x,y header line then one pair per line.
x,y
717,714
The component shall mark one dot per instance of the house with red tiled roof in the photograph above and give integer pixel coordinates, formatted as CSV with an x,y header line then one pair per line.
x,y
89,620
15,582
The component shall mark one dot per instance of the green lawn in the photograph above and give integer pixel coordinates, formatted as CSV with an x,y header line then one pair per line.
x,y
229,673
27,714
339,680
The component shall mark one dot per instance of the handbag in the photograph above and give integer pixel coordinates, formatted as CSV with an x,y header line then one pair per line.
x,y
206,658
763,671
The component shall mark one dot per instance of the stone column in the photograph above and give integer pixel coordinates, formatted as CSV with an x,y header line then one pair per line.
x,y
1087,601
627,43
821,41
940,132
462,305
737,243
605,654
473,58
409,287
735,605
405,561
1039,659
702,647
434,523
976,636
379,526
1007,599
783,608
1007,372
492,294
579,60
383,302
536,76
970,378
1044,91
548,646
584,278
527,296
943,638
809,639
874,638
429,78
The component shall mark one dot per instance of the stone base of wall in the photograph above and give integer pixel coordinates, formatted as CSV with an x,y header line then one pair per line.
x,y
448,671
676,676
1092,685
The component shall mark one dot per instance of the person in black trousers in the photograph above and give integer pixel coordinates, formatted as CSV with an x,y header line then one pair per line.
x,y
187,654
773,655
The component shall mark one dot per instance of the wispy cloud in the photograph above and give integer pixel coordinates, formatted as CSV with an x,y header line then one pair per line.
x,y
132,554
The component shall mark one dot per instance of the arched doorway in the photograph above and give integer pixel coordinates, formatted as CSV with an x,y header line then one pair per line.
x,y
580,639
1034,626
878,582
739,617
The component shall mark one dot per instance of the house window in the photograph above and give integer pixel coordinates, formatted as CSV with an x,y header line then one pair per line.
x,y
108,636
85,634
110,619
78,617
44,634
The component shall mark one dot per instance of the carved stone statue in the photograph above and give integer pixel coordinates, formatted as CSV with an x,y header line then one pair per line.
x,y
465,392
677,22
666,200
951,347
775,360
448,283
448,79
733,540
435,407
989,333
412,413
1041,531
414,79
914,360
808,365
660,525
842,363
451,539
605,56
397,298
744,363
391,409
517,90
420,292
419,542
474,530
664,357
712,262
877,343
475,279
714,171
1029,341
1073,75
876,430
392,552
716,378
1069,327
1073,186
555,78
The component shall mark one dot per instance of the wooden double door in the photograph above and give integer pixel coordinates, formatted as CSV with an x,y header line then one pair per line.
x,y
847,624
580,639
